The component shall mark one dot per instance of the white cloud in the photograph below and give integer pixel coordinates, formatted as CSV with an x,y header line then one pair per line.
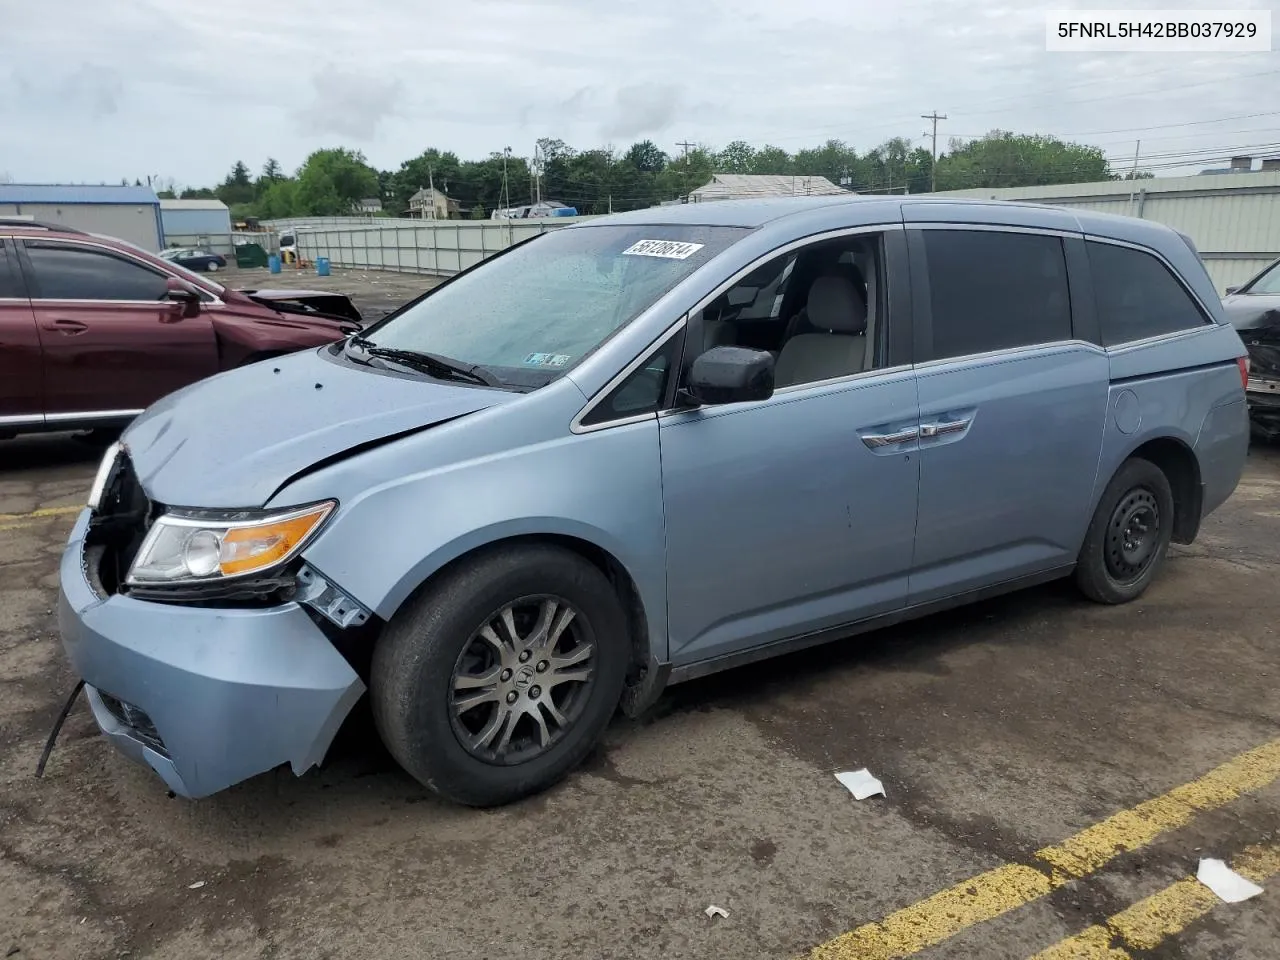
x,y
164,92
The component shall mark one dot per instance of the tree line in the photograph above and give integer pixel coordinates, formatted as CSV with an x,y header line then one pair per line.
x,y
331,182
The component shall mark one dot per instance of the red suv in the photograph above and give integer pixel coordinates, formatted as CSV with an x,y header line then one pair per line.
x,y
93,330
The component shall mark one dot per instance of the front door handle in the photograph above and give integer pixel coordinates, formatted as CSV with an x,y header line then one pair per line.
x,y
928,430
67,326
877,440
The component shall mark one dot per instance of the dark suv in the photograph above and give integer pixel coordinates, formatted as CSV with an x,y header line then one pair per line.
x,y
93,330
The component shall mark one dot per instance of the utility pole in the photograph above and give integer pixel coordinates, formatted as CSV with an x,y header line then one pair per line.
x,y
431,179
685,144
506,192
933,167
1133,177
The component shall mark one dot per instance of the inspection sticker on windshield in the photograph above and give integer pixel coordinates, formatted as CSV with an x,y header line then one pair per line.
x,y
547,359
667,249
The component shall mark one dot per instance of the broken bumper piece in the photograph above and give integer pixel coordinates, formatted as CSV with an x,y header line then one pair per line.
x,y
206,697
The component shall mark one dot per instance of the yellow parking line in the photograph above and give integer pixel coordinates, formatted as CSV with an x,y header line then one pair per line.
x,y
10,520
1149,922
996,892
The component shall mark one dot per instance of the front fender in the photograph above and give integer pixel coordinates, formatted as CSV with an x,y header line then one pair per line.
x,y
387,538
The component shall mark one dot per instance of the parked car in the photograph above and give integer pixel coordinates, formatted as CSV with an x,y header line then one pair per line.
x,y
635,451
95,330
1254,310
205,261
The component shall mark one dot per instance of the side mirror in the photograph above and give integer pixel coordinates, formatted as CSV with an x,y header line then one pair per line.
x,y
1231,290
180,292
729,375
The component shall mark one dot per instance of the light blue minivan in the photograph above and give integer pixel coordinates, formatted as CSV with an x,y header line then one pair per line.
x,y
635,451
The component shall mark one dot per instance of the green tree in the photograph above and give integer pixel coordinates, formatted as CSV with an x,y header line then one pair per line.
x,y
1004,159
771,159
646,157
736,157
279,199
197,193
477,212
331,182
166,195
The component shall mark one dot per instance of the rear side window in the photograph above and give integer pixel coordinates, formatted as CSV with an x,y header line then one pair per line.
x,y
1138,296
75,273
10,278
994,290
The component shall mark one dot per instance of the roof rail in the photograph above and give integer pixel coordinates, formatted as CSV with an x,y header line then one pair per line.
x,y
38,225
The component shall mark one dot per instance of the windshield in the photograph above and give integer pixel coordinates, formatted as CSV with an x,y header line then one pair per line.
x,y
1269,282
533,313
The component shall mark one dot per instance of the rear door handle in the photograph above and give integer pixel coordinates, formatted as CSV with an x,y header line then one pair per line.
x,y
67,326
877,440
943,428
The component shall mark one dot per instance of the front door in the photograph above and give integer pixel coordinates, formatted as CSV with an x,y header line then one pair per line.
x,y
797,513
113,343
1011,407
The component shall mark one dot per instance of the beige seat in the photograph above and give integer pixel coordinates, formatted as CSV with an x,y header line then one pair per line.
x,y
836,309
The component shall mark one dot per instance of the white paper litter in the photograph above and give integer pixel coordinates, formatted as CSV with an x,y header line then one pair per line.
x,y
1225,882
861,783
195,886
713,911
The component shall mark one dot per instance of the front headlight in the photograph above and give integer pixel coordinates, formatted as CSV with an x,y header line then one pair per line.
x,y
191,548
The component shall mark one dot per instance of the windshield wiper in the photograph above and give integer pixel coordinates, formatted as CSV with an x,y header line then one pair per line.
x,y
431,364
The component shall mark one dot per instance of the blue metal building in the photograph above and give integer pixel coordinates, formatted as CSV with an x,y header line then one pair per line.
x,y
129,213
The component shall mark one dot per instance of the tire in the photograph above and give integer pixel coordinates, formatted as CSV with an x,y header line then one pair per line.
x,y
432,656
212,266
1136,510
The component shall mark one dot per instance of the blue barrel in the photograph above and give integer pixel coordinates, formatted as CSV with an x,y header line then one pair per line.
x,y
322,266
273,263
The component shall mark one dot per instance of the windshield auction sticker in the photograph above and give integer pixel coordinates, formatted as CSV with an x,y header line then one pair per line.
x,y
666,249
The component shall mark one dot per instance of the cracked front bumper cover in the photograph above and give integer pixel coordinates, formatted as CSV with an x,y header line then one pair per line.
x,y
229,693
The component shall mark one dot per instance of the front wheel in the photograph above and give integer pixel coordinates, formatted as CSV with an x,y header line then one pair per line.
x,y
497,680
1128,536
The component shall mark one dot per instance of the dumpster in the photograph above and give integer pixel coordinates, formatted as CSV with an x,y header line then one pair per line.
x,y
273,262
250,255
322,266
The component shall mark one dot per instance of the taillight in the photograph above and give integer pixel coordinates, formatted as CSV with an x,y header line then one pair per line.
x,y
1243,364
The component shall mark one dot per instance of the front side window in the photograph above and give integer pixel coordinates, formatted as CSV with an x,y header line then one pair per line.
x,y
1138,297
642,390
530,315
79,273
995,290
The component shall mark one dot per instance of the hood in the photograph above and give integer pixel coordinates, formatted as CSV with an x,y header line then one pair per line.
x,y
1257,320
313,303
236,438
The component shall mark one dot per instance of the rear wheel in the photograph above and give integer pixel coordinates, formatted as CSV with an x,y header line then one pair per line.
x,y
497,680
1128,536
212,267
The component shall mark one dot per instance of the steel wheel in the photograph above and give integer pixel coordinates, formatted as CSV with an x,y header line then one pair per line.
x,y
522,680
1133,535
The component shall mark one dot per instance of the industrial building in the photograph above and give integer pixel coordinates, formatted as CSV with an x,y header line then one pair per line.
x,y
129,213
1233,219
741,186
196,223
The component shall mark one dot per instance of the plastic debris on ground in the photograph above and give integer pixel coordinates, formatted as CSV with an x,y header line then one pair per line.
x,y
1225,882
713,911
195,886
861,783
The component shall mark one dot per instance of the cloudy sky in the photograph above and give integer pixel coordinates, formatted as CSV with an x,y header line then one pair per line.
x,y
95,90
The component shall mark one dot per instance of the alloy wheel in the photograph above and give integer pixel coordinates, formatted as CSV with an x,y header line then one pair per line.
x,y
522,680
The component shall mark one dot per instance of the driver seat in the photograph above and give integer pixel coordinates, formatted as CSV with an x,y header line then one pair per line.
x,y
835,308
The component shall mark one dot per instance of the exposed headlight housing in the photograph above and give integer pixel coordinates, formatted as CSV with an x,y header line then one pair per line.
x,y
185,547
103,475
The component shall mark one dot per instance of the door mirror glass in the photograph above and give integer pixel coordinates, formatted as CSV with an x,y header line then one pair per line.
x,y
183,293
730,375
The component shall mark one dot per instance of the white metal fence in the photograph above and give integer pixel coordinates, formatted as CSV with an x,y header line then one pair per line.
x,y
223,243
441,247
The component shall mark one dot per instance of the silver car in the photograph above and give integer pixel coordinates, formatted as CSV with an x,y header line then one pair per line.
x,y
634,451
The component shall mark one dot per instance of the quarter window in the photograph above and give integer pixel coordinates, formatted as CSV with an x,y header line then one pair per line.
x,y
1137,295
71,273
643,390
993,290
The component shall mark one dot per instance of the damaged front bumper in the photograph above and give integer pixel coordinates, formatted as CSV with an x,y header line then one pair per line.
x,y
206,697
1263,396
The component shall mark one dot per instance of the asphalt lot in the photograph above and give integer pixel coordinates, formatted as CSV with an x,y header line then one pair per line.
x,y
999,730
374,292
